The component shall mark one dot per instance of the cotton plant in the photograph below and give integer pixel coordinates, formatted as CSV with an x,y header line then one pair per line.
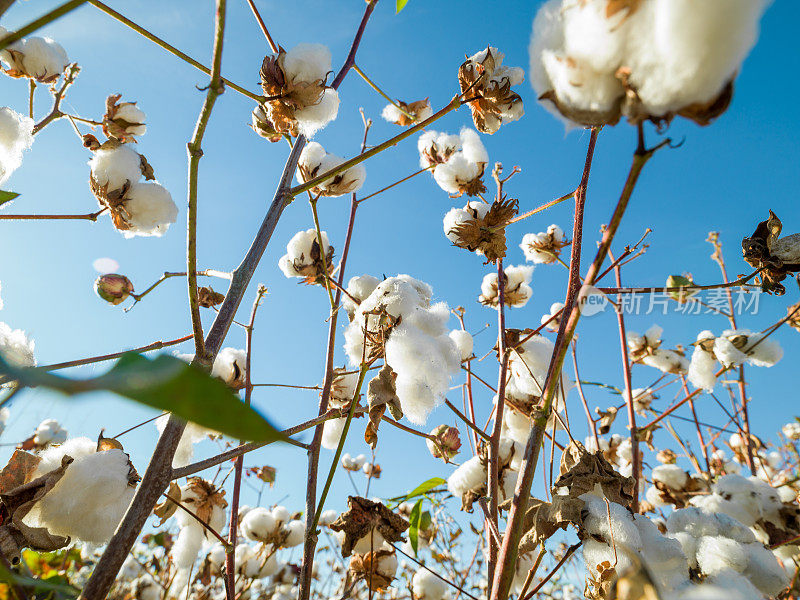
x,y
594,62
516,291
299,100
315,160
16,136
457,162
39,59
730,349
398,322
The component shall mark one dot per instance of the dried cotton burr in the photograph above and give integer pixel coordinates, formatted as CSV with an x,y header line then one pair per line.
x,y
487,83
37,58
517,289
16,136
299,101
595,61
303,258
315,161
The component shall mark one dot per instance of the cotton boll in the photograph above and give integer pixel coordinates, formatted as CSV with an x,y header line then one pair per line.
x,y
764,571
42,58
728,354
702,369
116,166
621,523
581,89
15,347
151,210
688,545
456,173
591,37
296,533
522,568
129,112
715,554
50,431
474,210
671,475
469,476
369,542
463,341
508,484
311,119
543,247
90,499
528,366
735,586
664,555
281,515
187,545
763,351
472,147
230,365
50,459
427,586
552,319
327,517
16,136
739,490
271,566
666,361
307,62
436,148
791,430
358,289
596,553
332,432
258,525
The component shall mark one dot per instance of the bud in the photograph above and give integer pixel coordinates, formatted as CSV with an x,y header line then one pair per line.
x,y
680,281
447,442
113,288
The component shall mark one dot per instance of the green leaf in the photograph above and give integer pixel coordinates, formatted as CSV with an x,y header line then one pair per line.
x,y
401,4
166,383
56,588
413,525
7,197
424,488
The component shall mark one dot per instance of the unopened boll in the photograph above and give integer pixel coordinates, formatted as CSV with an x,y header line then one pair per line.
x,y
16,136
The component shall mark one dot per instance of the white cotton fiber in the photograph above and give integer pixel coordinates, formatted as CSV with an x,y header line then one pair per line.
x,y
151,210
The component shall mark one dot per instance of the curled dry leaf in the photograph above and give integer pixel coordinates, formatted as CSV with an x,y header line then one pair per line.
x,y
16,503
18,471
164,510
777,257
208,297
543,519
362,516
583,472
381,394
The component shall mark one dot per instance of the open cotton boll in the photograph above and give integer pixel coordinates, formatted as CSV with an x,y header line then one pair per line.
x,y
310,119
129,112
688,545
332,432
763,351
666,361
50,431
528,366
689,54
463,341
717,553
764,571
358,289
543,247
671,475
521,569
295,534
591,37
621,523
90,499
50,458
427,586
703,367
663,555
596,553
114,167
469,476
552,319
187,545
713,503
373,540
15,347
436,148
315,161
734,585
230,365
457,173
43,59
728,354
307,62
516,291
151,210
16,136
281,515
258,525
474,210
472,147
424,357
328,516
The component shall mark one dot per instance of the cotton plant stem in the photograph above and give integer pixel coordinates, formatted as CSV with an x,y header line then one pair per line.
x,y
687,288
195,151
272,45
170,274
31,92
390,186
539,209
4,6
579,384
230,558
37,24
636,462
701,441
570,551
475,429
169,48
375,87
494,444
70,73
322,254
84,217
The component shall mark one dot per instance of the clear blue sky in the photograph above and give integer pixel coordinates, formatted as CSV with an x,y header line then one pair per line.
x,y
723,178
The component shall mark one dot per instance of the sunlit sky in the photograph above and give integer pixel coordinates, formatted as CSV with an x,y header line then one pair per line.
x,y
724,177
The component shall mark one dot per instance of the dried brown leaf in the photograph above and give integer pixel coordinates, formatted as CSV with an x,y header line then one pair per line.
x,y
18,470
164,510
362,516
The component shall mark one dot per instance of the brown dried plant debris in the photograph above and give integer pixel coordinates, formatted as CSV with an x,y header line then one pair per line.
x,y
487,236
371,567
776,256
208,297
381,394
362,516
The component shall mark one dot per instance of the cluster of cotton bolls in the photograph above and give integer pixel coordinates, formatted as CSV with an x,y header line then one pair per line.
x,y
273,526
37,58
303,257
791,431
597,60
89,500
616,449
137,208
16,136
516,290
343,389
315,161
299,100
647,350
544,247
15,347
484,77
458,161
397,321
730,349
